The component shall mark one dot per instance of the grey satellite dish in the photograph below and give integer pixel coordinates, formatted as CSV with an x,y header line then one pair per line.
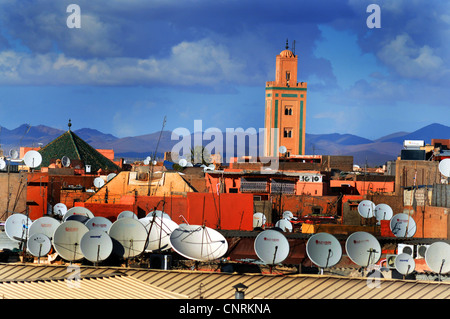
x,y
67,239
65,161
271,246
363,249
127,214
366,208
444,167
39,245
405,264
284,224
99,182
79,218
259,220
60,209
159,231
437,257
383,212
130,236
99,222
96,245
17,226
182,162
2,163
78,210
158,213
282,149
45,225
199,243
110,176
32,159
402,225
14,154
324,250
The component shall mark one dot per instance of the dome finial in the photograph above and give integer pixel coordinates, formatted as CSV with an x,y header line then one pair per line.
x,y
70,124
287,44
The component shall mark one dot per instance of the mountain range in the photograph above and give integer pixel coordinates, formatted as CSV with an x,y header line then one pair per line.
x,y
364,151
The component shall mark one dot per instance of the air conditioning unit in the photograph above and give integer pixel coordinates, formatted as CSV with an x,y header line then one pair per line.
x,y
405,249
390,261
421,250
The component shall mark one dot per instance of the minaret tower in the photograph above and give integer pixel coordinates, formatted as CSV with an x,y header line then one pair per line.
x,y
285,108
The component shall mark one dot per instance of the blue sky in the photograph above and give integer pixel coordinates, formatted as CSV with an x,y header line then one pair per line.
x,y
133,62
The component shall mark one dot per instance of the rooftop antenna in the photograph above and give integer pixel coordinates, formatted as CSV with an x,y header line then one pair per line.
x,y
293,48
154,156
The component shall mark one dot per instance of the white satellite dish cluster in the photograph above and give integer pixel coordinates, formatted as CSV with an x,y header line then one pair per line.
x,y
79,234
285,224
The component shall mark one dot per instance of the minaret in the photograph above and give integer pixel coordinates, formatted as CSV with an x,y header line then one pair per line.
x,y
285,113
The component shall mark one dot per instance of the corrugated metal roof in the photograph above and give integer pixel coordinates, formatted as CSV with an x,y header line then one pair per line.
x,y
118,282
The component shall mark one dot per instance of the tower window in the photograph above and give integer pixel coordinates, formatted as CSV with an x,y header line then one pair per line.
x,y
287,132
288,110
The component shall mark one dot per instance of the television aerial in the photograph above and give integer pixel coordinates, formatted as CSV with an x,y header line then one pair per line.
x,y
271,247
402,225
363,248
198,243
324,250
32,159
129,236
437,257
405,264
16,227
366,208
96,245
67,239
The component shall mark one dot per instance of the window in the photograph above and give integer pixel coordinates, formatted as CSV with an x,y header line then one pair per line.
x,y
288,110
288,132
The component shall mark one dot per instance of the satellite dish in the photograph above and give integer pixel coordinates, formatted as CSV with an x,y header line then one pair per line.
x,y
284,224
324,250
159,231
60,209
96,245
282,149
130,237
259,220
405,264
2,163
158,213
444,167
366,208
44,225
65,161
127,214
271,246
437,257
110,176
16,227
147,160
79,218
363,249
288,215
39,245
403,225
182,162
32,159
14,154
198,242
78,210
99,182
99,222
67,239
383,212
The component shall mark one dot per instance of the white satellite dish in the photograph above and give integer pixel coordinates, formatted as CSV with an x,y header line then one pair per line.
x,y
159,231
127,214
199,243
110,176
288,215
16,227
271,246
282,149
99,182
437,257
99,222
96,245
324,250
67,239
363,249
32,159
444,167
79,218
60,209
405,264
284,224
45,225
158,213
39,245
147,160
182,162
403,225
259,220
78,210
130,236
2,163
14,154
383,212
65,161
366,208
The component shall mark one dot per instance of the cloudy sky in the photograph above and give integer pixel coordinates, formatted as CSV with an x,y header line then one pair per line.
x,y
133,62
